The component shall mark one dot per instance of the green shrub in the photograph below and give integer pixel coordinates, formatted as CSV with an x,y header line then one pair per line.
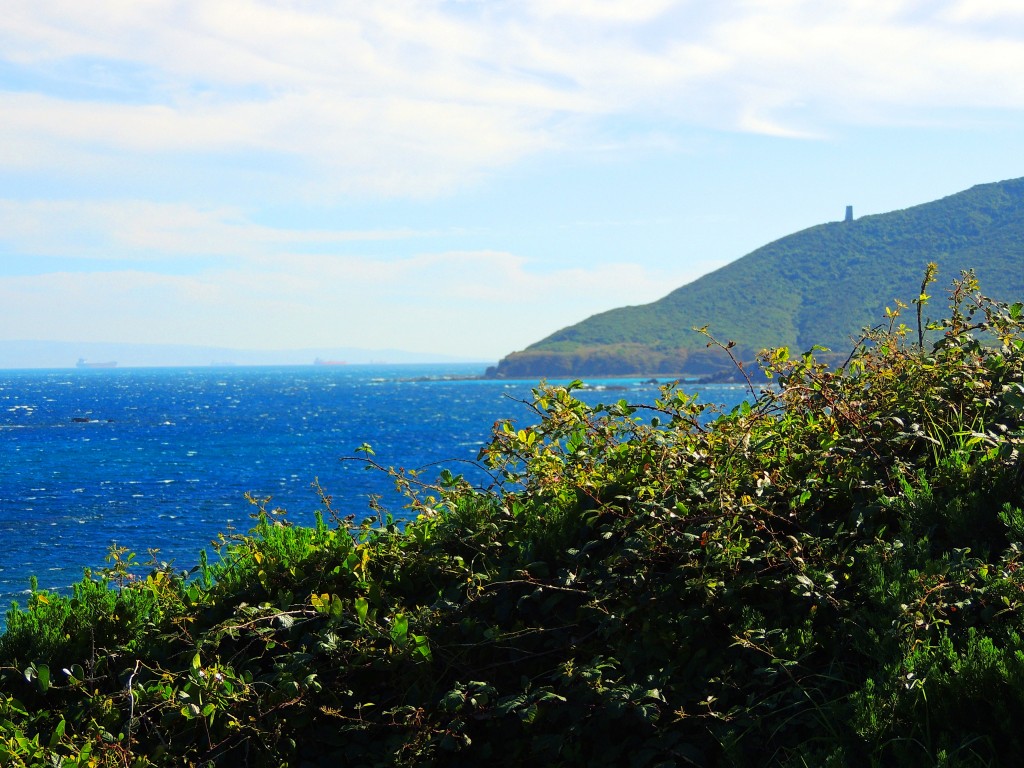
x,y
828,574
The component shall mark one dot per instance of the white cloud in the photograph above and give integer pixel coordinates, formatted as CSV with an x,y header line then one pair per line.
x,y
602,11
982,11
141,231
480,304
405,97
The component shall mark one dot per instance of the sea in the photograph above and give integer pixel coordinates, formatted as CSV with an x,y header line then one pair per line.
x,y
160,460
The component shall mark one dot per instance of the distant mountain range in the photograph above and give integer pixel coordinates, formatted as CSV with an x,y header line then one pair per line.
x,y
64,354
819,286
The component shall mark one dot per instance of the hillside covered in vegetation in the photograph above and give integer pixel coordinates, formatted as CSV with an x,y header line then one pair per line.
x,y
819,286
830,574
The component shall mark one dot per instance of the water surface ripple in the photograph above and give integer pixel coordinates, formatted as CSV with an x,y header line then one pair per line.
x,y
162,457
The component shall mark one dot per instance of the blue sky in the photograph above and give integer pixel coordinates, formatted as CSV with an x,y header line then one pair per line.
x,y
461,177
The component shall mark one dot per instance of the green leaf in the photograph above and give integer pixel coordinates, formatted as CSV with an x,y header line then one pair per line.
x,y
400,630
422,646
1014,397
43,678
362,606
58,733
337,607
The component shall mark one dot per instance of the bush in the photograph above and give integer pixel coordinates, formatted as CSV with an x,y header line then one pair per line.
x,y
827,574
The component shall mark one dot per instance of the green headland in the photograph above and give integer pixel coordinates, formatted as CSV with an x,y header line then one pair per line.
x,y
819,286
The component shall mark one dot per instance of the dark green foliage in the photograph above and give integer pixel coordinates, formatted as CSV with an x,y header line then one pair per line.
x,y
818,286
830,574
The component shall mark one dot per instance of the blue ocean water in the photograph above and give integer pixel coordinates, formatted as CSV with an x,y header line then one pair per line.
x,y
163,457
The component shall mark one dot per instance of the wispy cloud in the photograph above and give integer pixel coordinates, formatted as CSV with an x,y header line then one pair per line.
x,y
420,302
408,98
142,231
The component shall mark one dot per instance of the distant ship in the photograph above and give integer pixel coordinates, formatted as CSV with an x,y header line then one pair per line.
x,y
83,363
319,361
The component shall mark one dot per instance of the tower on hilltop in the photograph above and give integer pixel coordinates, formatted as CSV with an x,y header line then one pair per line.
x,y
849,213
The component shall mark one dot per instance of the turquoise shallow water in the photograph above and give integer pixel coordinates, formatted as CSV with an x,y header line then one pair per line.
x,y
162,457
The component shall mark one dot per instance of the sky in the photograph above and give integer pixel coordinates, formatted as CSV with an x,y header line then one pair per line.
x,y
460,177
